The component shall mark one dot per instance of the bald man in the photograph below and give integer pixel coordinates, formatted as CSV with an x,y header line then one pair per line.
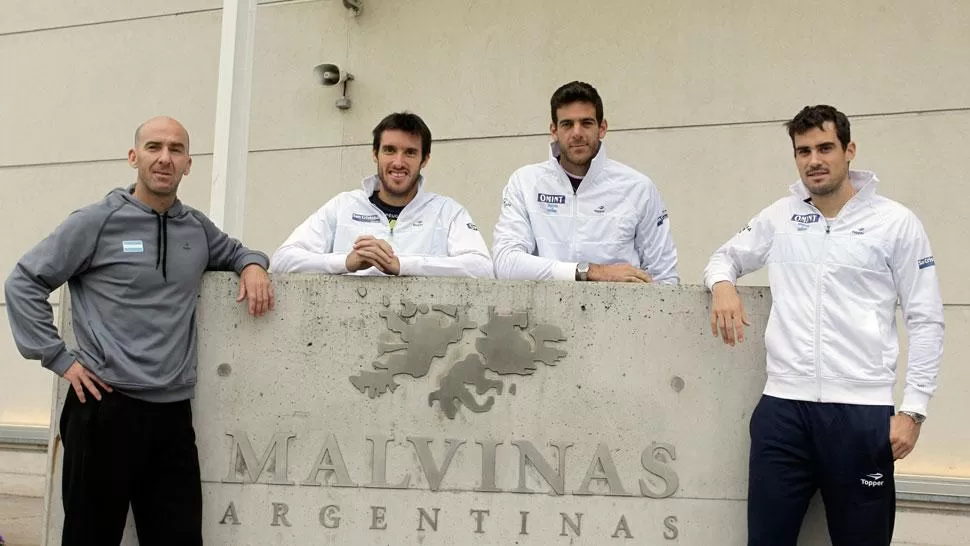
x,y
134,262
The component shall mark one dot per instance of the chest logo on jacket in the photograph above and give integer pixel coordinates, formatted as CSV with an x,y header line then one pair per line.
x,y
369,218
806,218
132,246
509,347
551,201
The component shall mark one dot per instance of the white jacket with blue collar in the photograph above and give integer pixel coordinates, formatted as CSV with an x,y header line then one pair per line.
x,y
616,216
831,334
433,236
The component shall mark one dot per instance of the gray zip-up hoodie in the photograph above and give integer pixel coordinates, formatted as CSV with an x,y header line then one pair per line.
x,y
134,277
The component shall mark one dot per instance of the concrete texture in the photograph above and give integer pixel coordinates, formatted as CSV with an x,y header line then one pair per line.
x,y
645,408
22,471
21,519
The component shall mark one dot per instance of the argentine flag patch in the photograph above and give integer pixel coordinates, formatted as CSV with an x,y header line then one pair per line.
x,y
133,246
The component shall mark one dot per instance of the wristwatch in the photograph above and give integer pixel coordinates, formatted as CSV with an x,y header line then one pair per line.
x,y
918,418
582,271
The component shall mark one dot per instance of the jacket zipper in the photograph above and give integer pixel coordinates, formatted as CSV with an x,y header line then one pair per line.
x,y
818,306
389,227
572,222
818,313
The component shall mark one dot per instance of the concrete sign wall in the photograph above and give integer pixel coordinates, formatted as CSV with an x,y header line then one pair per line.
x,y
392,411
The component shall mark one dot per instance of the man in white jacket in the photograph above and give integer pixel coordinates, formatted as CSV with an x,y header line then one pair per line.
x,y
391,226
580,215
839,257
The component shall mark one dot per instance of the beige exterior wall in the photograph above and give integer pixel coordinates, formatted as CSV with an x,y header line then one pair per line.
x,y
695,94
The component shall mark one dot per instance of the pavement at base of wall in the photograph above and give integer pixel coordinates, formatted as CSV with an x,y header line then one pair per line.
x,y
20,520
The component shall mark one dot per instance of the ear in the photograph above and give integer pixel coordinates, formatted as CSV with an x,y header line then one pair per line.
x,y
603,128
850,151
426,161
188,167
552,129
374,155
132,158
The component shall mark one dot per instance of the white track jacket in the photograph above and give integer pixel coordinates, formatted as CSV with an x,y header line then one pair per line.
x,y
616,216
831,334
433,236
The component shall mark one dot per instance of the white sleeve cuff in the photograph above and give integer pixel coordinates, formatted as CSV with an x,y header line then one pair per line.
x,y
564,271
915,401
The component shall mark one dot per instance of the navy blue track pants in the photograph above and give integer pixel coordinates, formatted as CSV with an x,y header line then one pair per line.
x,y
798,448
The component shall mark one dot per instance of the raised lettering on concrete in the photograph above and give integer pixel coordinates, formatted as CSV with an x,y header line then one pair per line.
x,y
424,517
329,517
622,526
576,526
378,515
242,458
331,461
379,465
479,516
431,470
525,517
488,466
555,479
230,515
672,532
603,468
654,460
279,514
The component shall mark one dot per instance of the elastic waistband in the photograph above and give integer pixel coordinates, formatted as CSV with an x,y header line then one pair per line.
x,y
175,393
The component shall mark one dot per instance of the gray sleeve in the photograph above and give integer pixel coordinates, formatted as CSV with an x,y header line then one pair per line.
x,y
227,253
63,254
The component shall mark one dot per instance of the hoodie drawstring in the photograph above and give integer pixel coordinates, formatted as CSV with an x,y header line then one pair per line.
x,y
161,250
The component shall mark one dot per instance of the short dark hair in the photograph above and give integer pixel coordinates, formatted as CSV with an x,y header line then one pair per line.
x,y
409,123
813,117
576,92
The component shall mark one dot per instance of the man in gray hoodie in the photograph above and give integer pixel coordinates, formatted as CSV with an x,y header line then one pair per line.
x,y
134,263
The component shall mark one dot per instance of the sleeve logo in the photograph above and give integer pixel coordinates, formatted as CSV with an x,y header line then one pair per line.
x,y
928,261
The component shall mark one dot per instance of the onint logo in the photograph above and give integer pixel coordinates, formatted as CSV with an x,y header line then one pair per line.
x,y
510,344
554,199
806,218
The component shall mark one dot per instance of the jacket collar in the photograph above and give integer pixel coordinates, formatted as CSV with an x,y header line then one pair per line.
x,y
370,184
128,194
595,166
864,183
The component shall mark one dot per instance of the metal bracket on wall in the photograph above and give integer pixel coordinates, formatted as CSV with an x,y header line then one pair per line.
x,y
354,5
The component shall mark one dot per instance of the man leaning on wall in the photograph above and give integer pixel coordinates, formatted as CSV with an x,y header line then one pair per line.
x,y
134,263
392,225
839,256
580,215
